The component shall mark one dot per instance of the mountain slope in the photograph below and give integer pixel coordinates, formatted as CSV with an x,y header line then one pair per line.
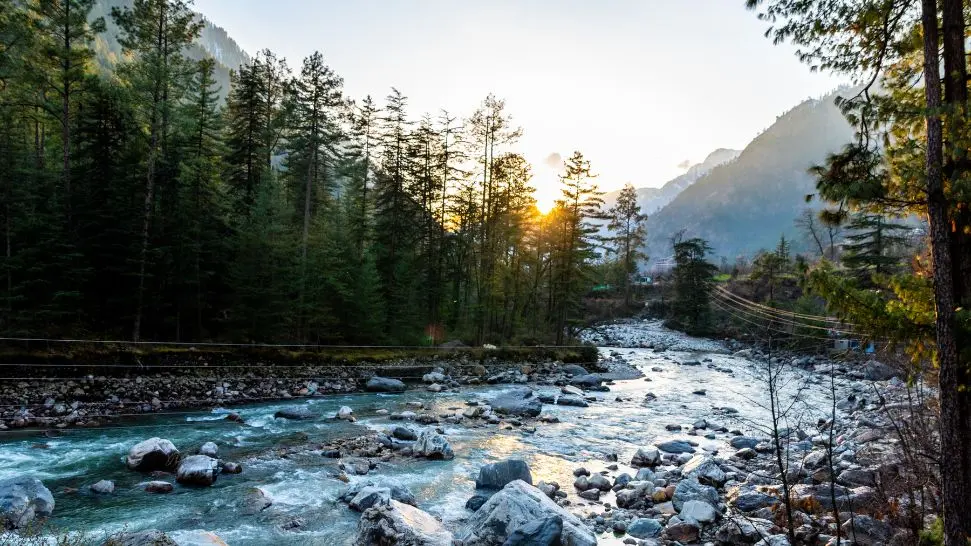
x,y
746,204
653,199
213,42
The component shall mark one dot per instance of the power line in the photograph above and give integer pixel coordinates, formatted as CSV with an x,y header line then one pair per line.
x,y
773,310
276,345
758,314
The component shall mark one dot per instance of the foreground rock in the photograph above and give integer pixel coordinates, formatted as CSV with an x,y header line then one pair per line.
x,y
517,507
384,384
153,454
498,475
401,525
198,470
22,500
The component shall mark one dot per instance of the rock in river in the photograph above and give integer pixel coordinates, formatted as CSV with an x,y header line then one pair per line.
x,y
152,537
433,445
104,487
517,403
296,413
198,470
209,449
370,496
516,507
384,384
153,454
497,475
22,500
402,524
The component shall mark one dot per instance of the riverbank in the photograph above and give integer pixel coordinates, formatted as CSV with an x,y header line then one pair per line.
x,y
681,454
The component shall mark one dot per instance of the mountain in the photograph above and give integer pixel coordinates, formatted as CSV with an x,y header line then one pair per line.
x,y
745,204
653,199
213,42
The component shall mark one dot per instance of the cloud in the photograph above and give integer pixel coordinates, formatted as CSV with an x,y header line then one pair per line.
x,y
684,164
554,161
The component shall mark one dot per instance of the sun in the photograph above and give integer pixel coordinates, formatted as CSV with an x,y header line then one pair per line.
x,y
547,191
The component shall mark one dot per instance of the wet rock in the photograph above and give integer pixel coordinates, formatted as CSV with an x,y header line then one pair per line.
x,y
590,494
867,531
475,502
384,384
400,524
598,481
230,468
517,403
498,475
589,382
295,413
433,445
645,528
404,433
705,470
689,490
152,537
197,470
255,501
158,486
676,446
103,487
572,401
22,500
209,449
345,413
398,492
515,507
370,496
153,454
646,456
742,442
698,512
571,390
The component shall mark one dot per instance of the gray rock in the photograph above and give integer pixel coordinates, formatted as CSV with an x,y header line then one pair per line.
x,y
345,413
103,487
750,500
587,382
433,445
698,512
543,532
398,492
573,370
590,494
404,433
497,475
676,446
742,442
517,403
646,456
255,501
877,371
774,540
705,470
295,413
743,530
475,502
197,470
158,486
867,531
515,507
689,490
22,500
645,528
434,377
400,524
152,537
153,454
644,475
209,449
598,481
573,401
370,496
384,384
857,477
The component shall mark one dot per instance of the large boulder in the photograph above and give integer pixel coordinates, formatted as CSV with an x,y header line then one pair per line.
x,y
400,525
689,490
646,456
705,470
384,384
153,454
432,445
516,507
151,537
497,475
197,470
22,500
517,403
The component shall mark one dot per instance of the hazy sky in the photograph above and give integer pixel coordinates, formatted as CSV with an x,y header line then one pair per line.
x,y
639,86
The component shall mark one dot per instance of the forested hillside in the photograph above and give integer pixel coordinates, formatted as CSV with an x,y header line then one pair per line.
x,y
745,205
137,205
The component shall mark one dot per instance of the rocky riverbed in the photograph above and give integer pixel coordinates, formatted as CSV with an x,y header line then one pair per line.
x,y
669,444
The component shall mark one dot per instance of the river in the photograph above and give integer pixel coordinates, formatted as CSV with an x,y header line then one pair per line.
x,y
304,489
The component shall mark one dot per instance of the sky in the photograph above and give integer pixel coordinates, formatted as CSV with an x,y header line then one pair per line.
x,y
643,88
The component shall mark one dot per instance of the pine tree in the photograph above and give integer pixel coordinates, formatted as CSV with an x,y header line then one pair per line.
x,y
693,281
873,246
628,222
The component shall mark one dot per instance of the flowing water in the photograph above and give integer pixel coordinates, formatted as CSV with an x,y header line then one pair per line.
x,y
306,487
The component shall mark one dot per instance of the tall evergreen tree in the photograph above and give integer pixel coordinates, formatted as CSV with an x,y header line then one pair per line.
x,y
627,221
